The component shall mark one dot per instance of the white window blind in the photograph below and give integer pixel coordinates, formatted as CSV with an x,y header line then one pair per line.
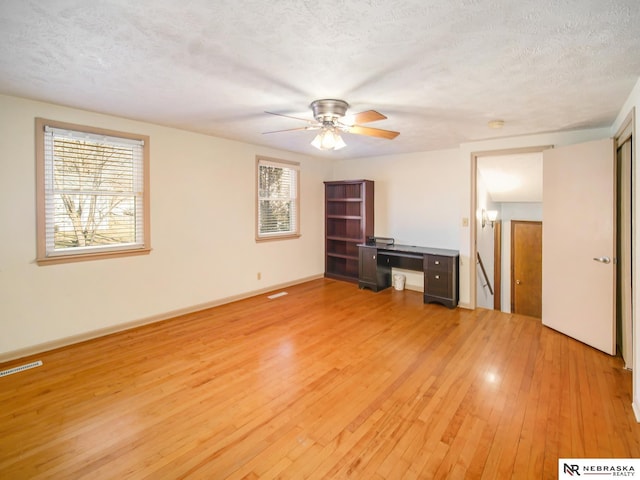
x,y
277,199
93,192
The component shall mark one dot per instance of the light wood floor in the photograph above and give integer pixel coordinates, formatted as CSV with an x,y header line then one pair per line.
x,y
326,382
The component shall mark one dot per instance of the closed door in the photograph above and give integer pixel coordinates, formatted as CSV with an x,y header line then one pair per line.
x,y
526,268
578,265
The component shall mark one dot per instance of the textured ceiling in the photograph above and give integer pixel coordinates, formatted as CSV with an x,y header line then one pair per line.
x,y
439,69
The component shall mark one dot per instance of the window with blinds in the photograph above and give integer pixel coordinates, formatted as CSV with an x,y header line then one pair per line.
x,y
93,192
278,199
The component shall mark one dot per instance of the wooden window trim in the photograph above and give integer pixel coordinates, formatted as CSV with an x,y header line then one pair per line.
x,y
282,236
41,250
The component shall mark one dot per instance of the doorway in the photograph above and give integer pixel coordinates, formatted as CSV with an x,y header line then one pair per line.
x,y
511,211
508,182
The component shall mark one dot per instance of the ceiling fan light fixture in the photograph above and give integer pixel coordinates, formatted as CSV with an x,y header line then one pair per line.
x,y
317,141
328,139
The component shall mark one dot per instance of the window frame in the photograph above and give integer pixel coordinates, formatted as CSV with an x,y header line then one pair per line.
x,y
114,251
294,166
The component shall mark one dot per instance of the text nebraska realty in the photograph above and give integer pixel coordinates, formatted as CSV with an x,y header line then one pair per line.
x,y
613,470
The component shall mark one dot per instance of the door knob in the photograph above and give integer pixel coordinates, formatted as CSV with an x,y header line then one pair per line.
x,y
602,259
518,282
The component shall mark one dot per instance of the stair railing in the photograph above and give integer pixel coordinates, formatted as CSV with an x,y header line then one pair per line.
x,y
484,274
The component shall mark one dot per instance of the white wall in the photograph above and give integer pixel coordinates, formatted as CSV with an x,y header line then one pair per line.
x,y
633,102
202,234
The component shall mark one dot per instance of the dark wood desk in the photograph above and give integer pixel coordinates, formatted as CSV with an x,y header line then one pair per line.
x,y
440,267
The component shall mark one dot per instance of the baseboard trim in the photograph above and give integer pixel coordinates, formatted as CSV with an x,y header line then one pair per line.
x,y
83,337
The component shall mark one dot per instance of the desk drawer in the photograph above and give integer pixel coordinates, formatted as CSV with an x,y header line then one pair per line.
x,y
437,263
437,284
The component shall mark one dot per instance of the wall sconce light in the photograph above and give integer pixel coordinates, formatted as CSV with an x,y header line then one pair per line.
x,y
489,216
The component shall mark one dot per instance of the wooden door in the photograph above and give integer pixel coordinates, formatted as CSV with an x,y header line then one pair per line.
x,y
497,265
526,268
578,244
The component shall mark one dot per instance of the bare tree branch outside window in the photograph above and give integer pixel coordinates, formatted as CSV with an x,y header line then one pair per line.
x,y
278,204
94,197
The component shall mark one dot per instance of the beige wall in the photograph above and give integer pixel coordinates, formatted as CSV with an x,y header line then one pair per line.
x,y
202,234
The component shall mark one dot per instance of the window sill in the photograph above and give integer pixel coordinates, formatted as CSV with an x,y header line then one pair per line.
x,y
278,237
90,256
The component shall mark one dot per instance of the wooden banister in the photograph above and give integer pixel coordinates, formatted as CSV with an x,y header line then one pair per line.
x,y
484,274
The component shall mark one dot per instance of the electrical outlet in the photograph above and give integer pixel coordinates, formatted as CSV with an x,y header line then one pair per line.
x,y
465,222
259,276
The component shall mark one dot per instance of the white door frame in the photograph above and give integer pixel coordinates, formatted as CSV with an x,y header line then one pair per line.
x,y
473,221
628,127
622,135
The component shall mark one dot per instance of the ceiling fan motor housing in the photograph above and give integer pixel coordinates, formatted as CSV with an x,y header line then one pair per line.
x,y
329,109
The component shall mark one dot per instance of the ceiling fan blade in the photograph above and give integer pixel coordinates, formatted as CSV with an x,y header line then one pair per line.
x,y
310,127
365,117
289,116
373,132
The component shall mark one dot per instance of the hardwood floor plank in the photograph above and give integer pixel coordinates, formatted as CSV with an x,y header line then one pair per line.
x,y
326,382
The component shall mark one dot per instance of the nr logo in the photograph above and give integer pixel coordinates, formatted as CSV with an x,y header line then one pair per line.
x,y
572,469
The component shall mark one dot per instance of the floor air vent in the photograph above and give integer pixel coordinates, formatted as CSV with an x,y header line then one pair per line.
x,y
21,368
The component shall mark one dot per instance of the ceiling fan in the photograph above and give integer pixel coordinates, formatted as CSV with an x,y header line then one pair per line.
x,y
331,119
